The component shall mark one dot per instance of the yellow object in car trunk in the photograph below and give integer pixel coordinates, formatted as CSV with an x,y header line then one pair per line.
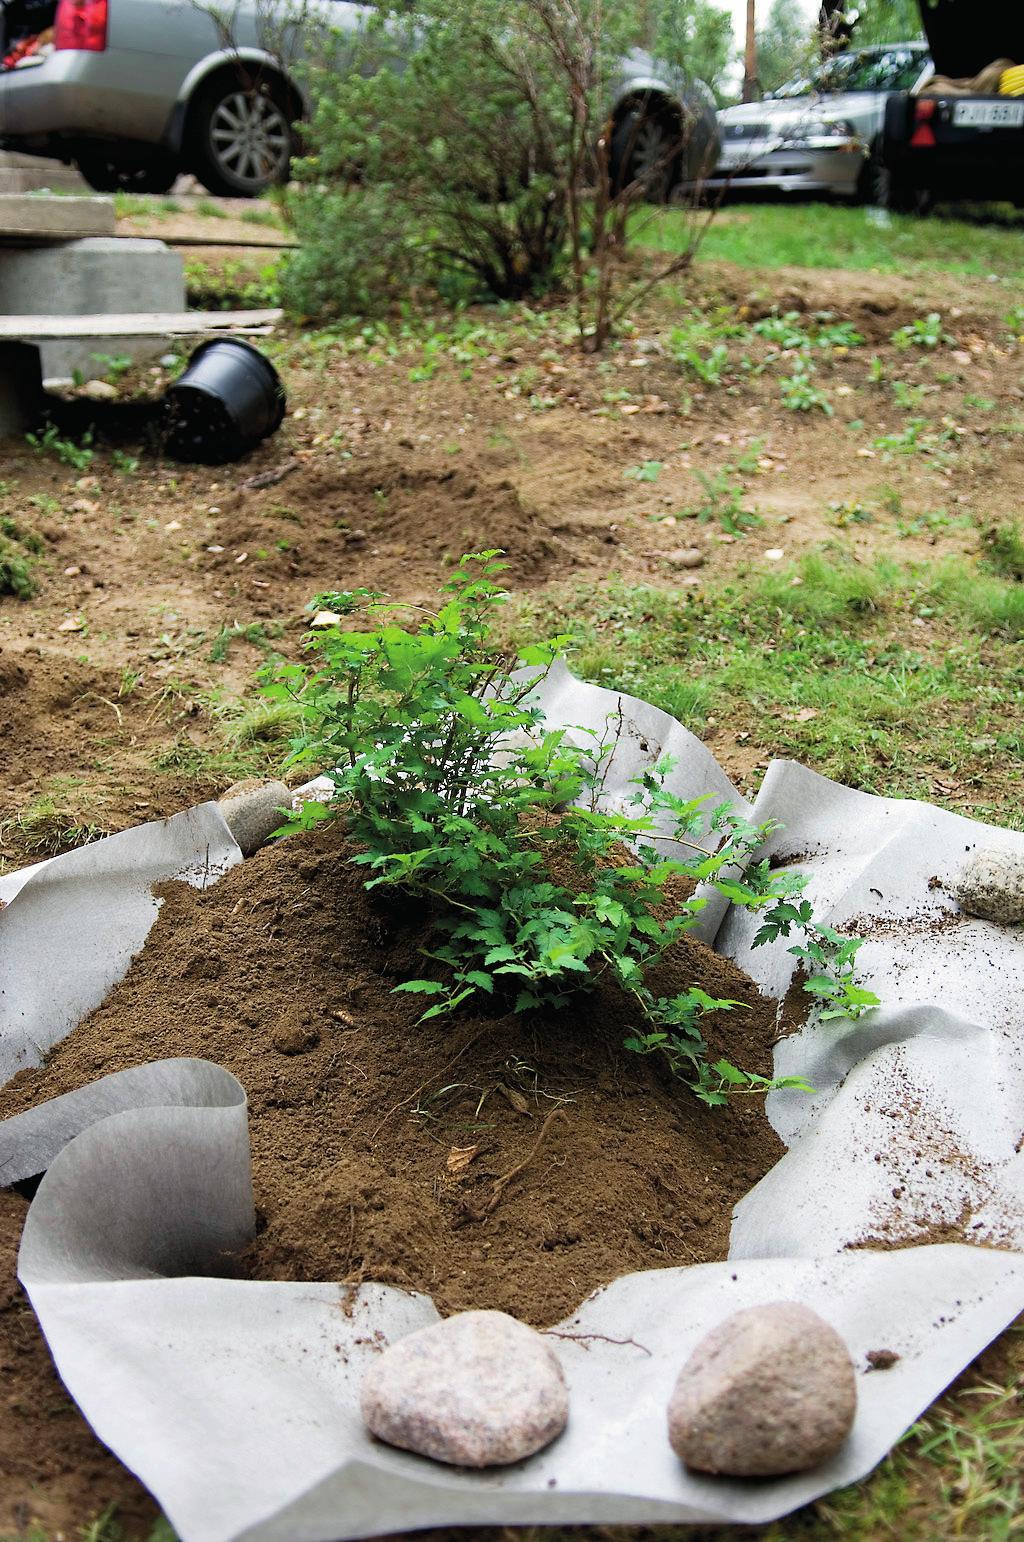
x,y
1011,82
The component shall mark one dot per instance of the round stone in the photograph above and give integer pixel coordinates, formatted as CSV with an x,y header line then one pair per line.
x,y
477,1390
771,1390
991,886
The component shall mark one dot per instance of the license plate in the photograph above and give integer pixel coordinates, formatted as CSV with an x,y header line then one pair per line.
x,y
988,114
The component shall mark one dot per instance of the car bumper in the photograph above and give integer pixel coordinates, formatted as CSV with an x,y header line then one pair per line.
x,y
792,170
74,94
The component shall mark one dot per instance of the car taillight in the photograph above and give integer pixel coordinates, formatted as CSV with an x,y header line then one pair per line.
x,y
924,135
81,24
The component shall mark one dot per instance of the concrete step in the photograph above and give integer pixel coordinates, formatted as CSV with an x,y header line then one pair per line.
x,y
58,179
27,173
31,217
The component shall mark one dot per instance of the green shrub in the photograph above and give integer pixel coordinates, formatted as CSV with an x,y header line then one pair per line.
x,y
456,792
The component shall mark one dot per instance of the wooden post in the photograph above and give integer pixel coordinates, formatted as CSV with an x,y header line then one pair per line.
x,y
750,82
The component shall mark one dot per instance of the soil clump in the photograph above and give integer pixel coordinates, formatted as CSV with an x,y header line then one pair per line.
x,y
378,1142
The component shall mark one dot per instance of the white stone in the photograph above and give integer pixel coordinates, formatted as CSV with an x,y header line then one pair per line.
x,y
477,1390
771,1390
992,886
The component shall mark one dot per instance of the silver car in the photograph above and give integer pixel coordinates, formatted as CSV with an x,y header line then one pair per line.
x,y
820,133
136,91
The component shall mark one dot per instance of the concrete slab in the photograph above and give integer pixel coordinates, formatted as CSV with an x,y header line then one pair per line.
x,y
32,218
47,178
99,276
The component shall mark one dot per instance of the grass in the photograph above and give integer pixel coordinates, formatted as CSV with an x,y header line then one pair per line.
x,y
810,236
51,823
889,677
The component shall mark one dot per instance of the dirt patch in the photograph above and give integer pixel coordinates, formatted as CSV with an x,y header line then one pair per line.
x,y
389,521
380,1147
55,1474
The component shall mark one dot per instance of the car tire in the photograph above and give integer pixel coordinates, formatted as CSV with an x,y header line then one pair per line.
x,y
113,169
645,150
240,136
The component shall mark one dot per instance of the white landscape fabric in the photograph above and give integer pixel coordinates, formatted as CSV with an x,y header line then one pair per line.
x,y
236,1402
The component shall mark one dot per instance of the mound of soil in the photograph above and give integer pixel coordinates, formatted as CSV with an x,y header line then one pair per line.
x,y
379,1144
324,523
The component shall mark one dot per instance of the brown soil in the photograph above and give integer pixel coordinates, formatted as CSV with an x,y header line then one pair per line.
x,y
378,1145
54,1474
284,974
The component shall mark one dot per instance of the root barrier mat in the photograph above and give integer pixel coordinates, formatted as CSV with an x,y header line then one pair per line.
x,y
213,1320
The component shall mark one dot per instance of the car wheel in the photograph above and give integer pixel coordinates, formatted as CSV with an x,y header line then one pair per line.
x,y
241,137
115,170
645,153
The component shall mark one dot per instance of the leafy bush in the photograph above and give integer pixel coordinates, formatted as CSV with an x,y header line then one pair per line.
x,y
456,792
468,147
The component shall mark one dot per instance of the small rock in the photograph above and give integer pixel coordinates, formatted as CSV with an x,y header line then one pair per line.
x,y
477,1390
99,391
992,886
881,1359
686,557
771,1390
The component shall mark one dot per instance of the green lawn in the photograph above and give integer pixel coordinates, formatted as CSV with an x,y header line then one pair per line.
x,y
818,235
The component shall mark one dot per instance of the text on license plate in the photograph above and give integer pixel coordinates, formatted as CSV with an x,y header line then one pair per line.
x,y
988,114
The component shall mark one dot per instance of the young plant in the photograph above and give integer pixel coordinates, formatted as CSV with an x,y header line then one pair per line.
x,y
800,394
648,472
723,500
49,442
457,793
925,332
709,368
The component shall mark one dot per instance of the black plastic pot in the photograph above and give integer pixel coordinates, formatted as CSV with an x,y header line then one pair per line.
x,y
228,400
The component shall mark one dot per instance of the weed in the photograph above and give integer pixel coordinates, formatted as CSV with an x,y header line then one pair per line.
x,y
128,465
16,576
114,365
723,500
18,547
907,397
49,442
800,394
918,438
925,332
50,824
850,513
254,632
648,472
1002,551
454,791
709,368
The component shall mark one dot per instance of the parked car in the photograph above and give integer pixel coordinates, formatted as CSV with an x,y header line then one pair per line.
x,y
963,136
134,92
821,132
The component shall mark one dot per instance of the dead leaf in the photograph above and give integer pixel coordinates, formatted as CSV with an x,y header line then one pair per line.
x,y
326,618
515,1099
459,1158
